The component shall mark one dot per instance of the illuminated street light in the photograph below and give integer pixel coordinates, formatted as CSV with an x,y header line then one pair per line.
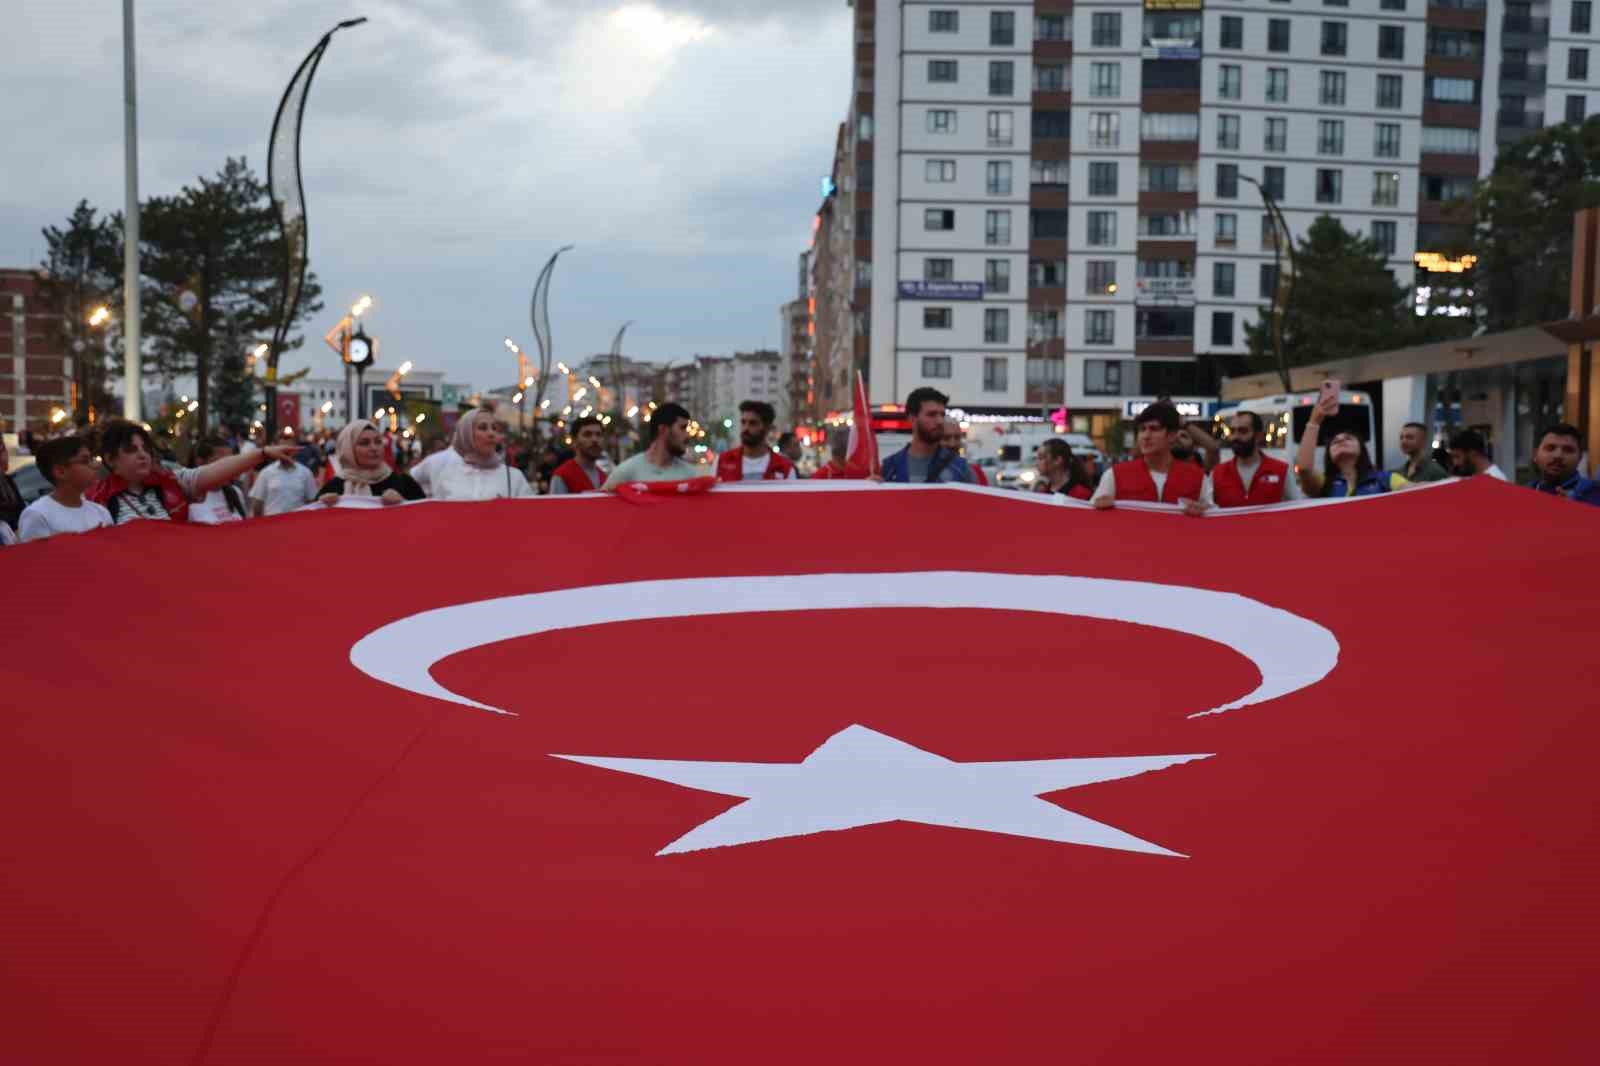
x,y
511,345
563,368
57,415
260,351
544,405
194,405
527,382
361,307
517,398
633,410
328,406
405,367
580,394
594,381
100,315
422,418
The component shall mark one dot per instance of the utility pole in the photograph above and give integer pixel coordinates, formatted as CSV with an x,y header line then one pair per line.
x,y
133,386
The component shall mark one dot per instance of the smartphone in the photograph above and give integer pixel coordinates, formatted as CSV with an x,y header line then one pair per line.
x,y
1331,389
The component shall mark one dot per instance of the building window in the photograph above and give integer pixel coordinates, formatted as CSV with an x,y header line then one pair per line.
x,y
997,227
1105,79
1049,78
1383,235
996,325
1452,90
1227,181
938,269
1167,224
1276,137
940,170
942,70
1099,326
1330,186
1580,16
994,374
1050,225
1230,81
1278,85
941,121
1102,179
1002,78
1440,188
1272,182
937,317
1166,177
1047,273
938,218
944,21
1228,131
1578,64
1222,275
997,178
1102,279
1267,283
1335,38
1390,91
1043,326
1227,229
863,173
1102,228
1222,329
1104,129
1105,29
1050,28
1164,323
1232,32
936,366
1002,29
1049,125
863,127
1385,188
1049,171
1102,377
1277,35
1386,140
1167,126
1332,88
1335,3
1391,42
1456,44
1392,5
1330,136
999,126
997,275
1449,140
1575,109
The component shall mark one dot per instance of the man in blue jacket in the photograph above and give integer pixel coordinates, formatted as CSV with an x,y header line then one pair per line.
x,y
1556,458
925,460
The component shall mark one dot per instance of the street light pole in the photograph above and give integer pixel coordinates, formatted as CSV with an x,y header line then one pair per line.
x,y
1283,290
133,388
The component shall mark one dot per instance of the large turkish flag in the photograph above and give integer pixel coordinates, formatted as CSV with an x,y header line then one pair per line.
x,y
243,835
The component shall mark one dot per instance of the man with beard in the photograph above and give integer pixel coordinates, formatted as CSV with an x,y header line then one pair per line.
x,y
926,460
753,460
664,459
1419,460
1556,458
582,473
1156,476
1469,456
1250,478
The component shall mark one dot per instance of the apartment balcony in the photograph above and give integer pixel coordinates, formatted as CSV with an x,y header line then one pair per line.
x,y
1523,72
1508,118
1460,5
1525,24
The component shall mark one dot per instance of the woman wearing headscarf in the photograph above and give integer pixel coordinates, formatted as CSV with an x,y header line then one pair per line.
x,y
362,471
480,472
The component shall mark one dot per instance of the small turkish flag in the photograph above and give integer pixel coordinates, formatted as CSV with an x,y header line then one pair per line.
x,y
863,450
288,410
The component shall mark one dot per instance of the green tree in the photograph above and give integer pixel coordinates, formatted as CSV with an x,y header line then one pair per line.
x,y
82,270
1345,303
1523,233
211,257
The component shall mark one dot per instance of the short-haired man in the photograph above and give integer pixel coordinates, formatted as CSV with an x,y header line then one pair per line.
x,y
956,440
1419,457
754,460
664,459
926,460
286,485
582,473
790,448
1251,478
1155,476
67,464
1556,457
1469,456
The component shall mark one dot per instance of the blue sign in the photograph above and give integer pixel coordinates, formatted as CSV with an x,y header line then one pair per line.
x,y
941,290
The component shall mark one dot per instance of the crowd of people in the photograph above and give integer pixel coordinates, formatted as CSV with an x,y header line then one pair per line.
x,y
120,475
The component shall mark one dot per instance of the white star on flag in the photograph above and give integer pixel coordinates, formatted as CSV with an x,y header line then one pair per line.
x,y
862,777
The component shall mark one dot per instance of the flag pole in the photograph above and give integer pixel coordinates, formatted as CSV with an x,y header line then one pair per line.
x,y
133,385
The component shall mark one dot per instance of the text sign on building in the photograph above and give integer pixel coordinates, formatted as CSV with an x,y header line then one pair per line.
x,y
1167,288
1172,5
941,290
1186,408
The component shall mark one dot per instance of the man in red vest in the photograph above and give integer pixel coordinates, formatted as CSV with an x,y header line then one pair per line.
x,y
1250,478
754,460
1156,476
582,473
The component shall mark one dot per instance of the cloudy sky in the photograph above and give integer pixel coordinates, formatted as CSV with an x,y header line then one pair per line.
x,y
452,145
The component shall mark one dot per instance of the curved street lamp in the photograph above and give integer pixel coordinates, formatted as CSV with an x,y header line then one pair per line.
x,y
1283,291
539,312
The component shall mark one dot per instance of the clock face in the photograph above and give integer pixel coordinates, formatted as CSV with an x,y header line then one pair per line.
x,y
358,351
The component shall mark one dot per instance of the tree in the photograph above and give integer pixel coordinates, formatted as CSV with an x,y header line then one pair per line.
x,y
1523,234
1345,304
211,260
81,270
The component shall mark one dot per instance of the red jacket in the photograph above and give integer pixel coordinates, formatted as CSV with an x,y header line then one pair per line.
x,y
1184,482
730,466
575,477
172,494
1266,487
829,471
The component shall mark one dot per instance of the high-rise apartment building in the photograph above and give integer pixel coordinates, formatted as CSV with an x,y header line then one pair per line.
x,y
1058,203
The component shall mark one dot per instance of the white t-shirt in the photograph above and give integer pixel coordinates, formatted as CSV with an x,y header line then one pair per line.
x,y
754,469
281,489
7,538
461,481
1108,486
214,509
1495,472
45,517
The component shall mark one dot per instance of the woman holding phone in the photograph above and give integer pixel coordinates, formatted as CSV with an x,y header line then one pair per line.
x,y
1347,469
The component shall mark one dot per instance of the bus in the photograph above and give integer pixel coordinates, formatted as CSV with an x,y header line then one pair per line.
x,y
1284,418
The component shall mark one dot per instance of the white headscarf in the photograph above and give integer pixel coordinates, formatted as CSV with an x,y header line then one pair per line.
x,y
463,443
358,480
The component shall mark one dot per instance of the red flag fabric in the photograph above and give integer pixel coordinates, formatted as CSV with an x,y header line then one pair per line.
x,y
999,779
863,449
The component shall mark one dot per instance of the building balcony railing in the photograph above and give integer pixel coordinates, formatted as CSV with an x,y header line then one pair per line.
x,y
1524,24
1511,118
1522,72
1460,5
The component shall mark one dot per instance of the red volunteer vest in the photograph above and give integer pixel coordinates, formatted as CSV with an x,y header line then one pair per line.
x,y
574,476
1184,481
730,466
1266,487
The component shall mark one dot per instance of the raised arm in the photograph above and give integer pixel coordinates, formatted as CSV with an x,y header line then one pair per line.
x,y
1305,459
215,475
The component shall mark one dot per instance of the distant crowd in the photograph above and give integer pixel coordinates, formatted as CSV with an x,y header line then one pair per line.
x,y
119,475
